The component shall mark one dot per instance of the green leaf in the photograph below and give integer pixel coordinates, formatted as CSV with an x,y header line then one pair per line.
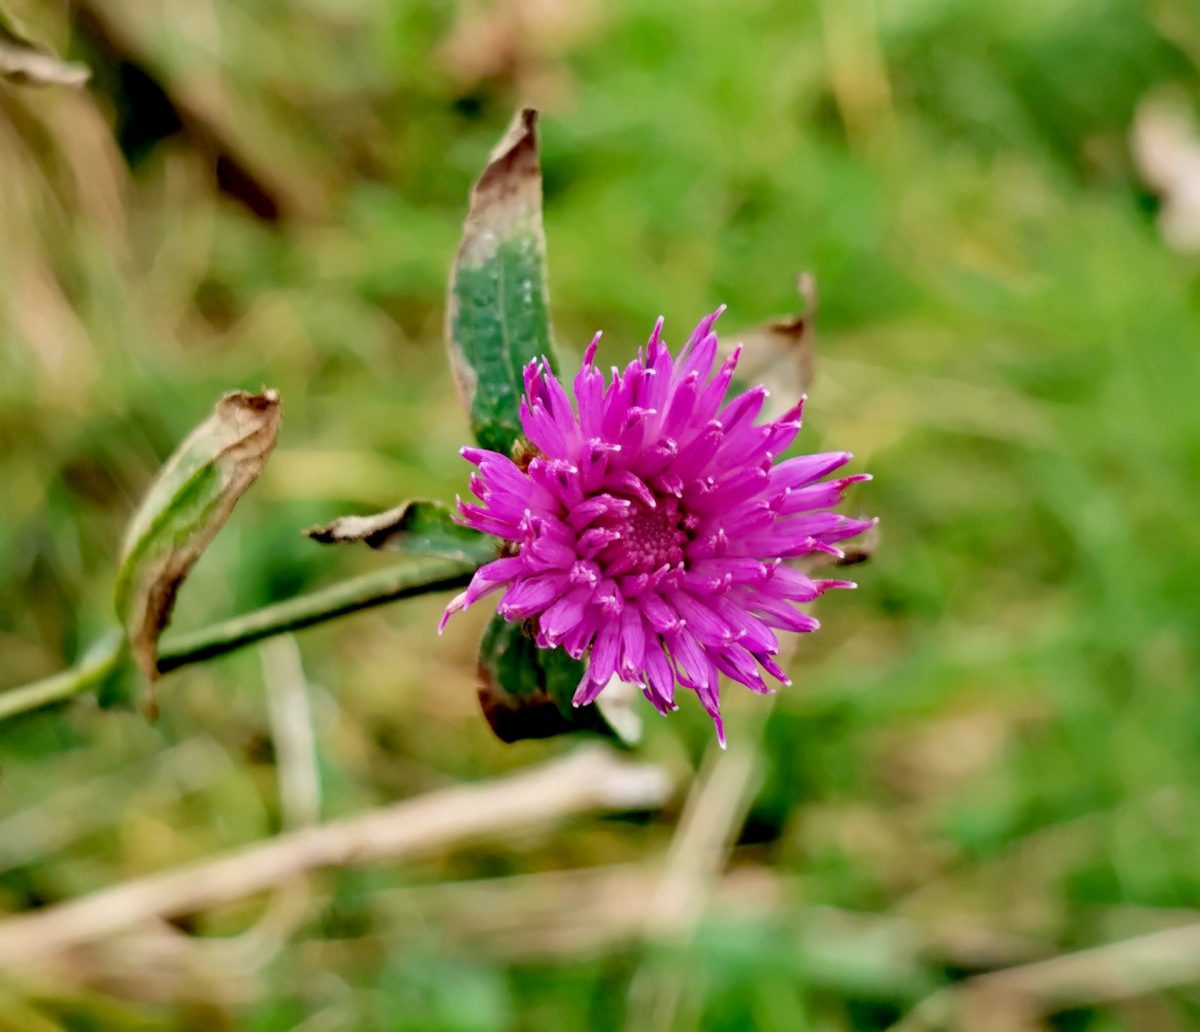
x,y
413,528
26,62
497,320
497,313
189,501
526,691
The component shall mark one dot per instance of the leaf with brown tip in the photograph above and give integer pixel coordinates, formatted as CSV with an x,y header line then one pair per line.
x,y
412,528
189,501
498,311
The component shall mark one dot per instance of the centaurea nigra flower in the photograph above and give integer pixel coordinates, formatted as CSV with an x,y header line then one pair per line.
x,y
653,528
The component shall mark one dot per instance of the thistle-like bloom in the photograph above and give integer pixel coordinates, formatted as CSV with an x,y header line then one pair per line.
x,y
652,530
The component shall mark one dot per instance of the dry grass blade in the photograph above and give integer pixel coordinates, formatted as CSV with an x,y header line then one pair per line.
x,y
1105,974
1166,146
294,738
587,779
713,815
292,732
24,61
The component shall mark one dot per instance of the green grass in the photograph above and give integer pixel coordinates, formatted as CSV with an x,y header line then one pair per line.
x,y
999,731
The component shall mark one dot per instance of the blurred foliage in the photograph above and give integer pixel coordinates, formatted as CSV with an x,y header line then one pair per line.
x,y
994,740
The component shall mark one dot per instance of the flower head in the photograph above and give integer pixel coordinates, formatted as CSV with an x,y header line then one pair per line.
x,y
652,528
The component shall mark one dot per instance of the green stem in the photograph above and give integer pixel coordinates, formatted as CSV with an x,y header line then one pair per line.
x,y
416,577
100,661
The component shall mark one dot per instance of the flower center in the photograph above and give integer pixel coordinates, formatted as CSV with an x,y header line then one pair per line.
x,y
651,538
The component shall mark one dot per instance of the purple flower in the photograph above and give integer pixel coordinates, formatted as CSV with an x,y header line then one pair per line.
x,y
651,530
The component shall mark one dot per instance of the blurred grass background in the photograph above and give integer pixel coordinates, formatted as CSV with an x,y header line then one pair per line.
x,y
990,753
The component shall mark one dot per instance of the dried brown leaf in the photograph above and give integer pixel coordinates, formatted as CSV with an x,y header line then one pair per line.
x,y
779,354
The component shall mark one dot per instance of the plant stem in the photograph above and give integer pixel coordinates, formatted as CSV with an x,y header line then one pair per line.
x,y
404,580
416,577
99,661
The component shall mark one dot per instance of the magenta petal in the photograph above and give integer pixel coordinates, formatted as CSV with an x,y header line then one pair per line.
x,y
804,469
633,643
605,651
586,692
531,595
659,678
